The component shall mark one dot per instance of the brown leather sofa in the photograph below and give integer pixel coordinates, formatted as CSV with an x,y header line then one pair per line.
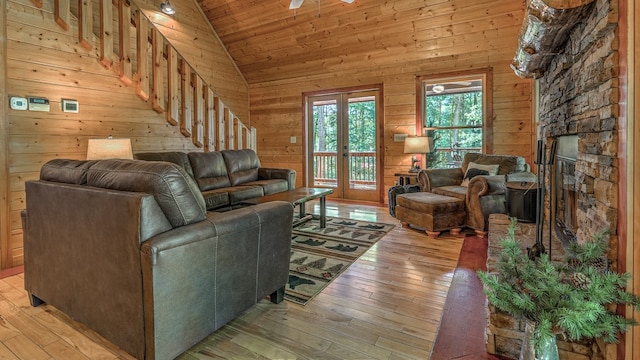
x,y
127,248
227,178
484,195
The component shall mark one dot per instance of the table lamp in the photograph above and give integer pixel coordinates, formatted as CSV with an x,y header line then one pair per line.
x,y
416,145
110,148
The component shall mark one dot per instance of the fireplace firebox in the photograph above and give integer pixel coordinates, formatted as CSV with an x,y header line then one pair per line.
x,y
565,203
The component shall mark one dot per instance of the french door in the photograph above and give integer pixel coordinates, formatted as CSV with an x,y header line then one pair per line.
x,y
342,144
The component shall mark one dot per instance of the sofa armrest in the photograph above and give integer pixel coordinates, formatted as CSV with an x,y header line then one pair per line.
x,y
433,178
485,196
273,173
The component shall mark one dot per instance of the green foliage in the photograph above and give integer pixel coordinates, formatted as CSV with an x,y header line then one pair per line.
x,y
454,117
576,299
362,126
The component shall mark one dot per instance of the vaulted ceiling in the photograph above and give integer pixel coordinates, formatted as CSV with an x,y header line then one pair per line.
x,y
269,42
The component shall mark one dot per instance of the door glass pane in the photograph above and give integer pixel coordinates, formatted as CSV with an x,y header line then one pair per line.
x,y
362,143
325,130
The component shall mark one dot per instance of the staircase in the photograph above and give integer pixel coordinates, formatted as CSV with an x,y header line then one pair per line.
x,y
139,55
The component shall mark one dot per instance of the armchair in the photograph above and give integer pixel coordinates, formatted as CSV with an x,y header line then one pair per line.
x,y
483,195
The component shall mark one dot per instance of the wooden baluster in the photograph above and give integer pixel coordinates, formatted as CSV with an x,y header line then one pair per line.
x,y
62,13
106,33
157,45
125,70
173,105
85,26
253,139
142,44
210,120
236,128
186,101
228,122
220,113
198,105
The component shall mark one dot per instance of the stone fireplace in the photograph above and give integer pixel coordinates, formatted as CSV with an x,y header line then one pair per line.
x,y
578,108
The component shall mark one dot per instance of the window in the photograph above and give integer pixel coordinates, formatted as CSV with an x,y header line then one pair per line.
x,y
453,111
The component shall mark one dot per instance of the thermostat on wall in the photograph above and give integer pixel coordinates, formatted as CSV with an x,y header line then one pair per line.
x,y
18,103
38,104
71,106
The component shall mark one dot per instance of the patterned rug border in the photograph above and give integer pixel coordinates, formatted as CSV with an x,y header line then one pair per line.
x,y
310,267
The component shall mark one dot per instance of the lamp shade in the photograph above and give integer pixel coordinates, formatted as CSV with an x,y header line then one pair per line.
x,y
417,144
100,149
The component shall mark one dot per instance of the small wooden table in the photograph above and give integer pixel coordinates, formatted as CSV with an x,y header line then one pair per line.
x,y
299,197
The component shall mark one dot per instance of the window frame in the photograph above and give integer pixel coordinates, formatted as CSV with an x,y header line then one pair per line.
x,y
486,74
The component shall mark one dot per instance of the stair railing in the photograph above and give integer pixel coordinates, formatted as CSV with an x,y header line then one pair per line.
x,y
160,75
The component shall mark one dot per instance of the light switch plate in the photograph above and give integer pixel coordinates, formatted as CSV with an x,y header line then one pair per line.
x,y
399,137
18,103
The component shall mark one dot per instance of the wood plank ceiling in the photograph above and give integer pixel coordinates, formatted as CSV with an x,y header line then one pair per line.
x,y
268,43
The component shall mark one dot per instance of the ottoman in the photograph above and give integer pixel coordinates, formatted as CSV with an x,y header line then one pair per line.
x,y
432,212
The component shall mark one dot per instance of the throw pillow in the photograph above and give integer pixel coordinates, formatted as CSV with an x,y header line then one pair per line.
x,y
478,169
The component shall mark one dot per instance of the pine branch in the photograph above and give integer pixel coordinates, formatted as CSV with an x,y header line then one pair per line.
x,y
572,298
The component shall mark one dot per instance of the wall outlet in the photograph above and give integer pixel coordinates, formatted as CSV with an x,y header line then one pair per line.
x,y
292,140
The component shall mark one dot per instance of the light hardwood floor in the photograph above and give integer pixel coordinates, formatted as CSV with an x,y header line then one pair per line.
x,y
387,305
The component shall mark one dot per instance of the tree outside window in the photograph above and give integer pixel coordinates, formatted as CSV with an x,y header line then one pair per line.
x,y
453,113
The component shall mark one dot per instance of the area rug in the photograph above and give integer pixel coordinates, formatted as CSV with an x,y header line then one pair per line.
x,y
319,255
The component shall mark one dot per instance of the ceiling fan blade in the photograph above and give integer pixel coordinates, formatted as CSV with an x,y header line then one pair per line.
x,y
295,4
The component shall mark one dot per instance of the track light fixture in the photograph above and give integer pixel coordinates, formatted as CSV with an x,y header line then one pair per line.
x,y
167,8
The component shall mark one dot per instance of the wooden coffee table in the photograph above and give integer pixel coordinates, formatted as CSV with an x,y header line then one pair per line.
x,y
298,197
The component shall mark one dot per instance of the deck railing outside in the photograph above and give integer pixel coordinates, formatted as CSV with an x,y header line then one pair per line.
x,y
362,168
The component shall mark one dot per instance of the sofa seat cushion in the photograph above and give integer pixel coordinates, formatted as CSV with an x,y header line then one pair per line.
x,y
456,191
216,198
271,186
239,194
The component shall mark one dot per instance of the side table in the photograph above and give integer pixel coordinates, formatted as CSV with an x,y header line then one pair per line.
x,y
404,178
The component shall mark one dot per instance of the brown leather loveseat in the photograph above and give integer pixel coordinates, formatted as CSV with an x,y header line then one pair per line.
x,y
127,248
228,177
482,195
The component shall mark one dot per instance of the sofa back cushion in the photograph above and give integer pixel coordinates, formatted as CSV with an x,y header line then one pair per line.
x,y
209,170
173,189
175,157
242,165
66,171
507,163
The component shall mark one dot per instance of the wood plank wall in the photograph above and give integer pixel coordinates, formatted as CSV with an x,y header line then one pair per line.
x,y
277,107
45,60
5,219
